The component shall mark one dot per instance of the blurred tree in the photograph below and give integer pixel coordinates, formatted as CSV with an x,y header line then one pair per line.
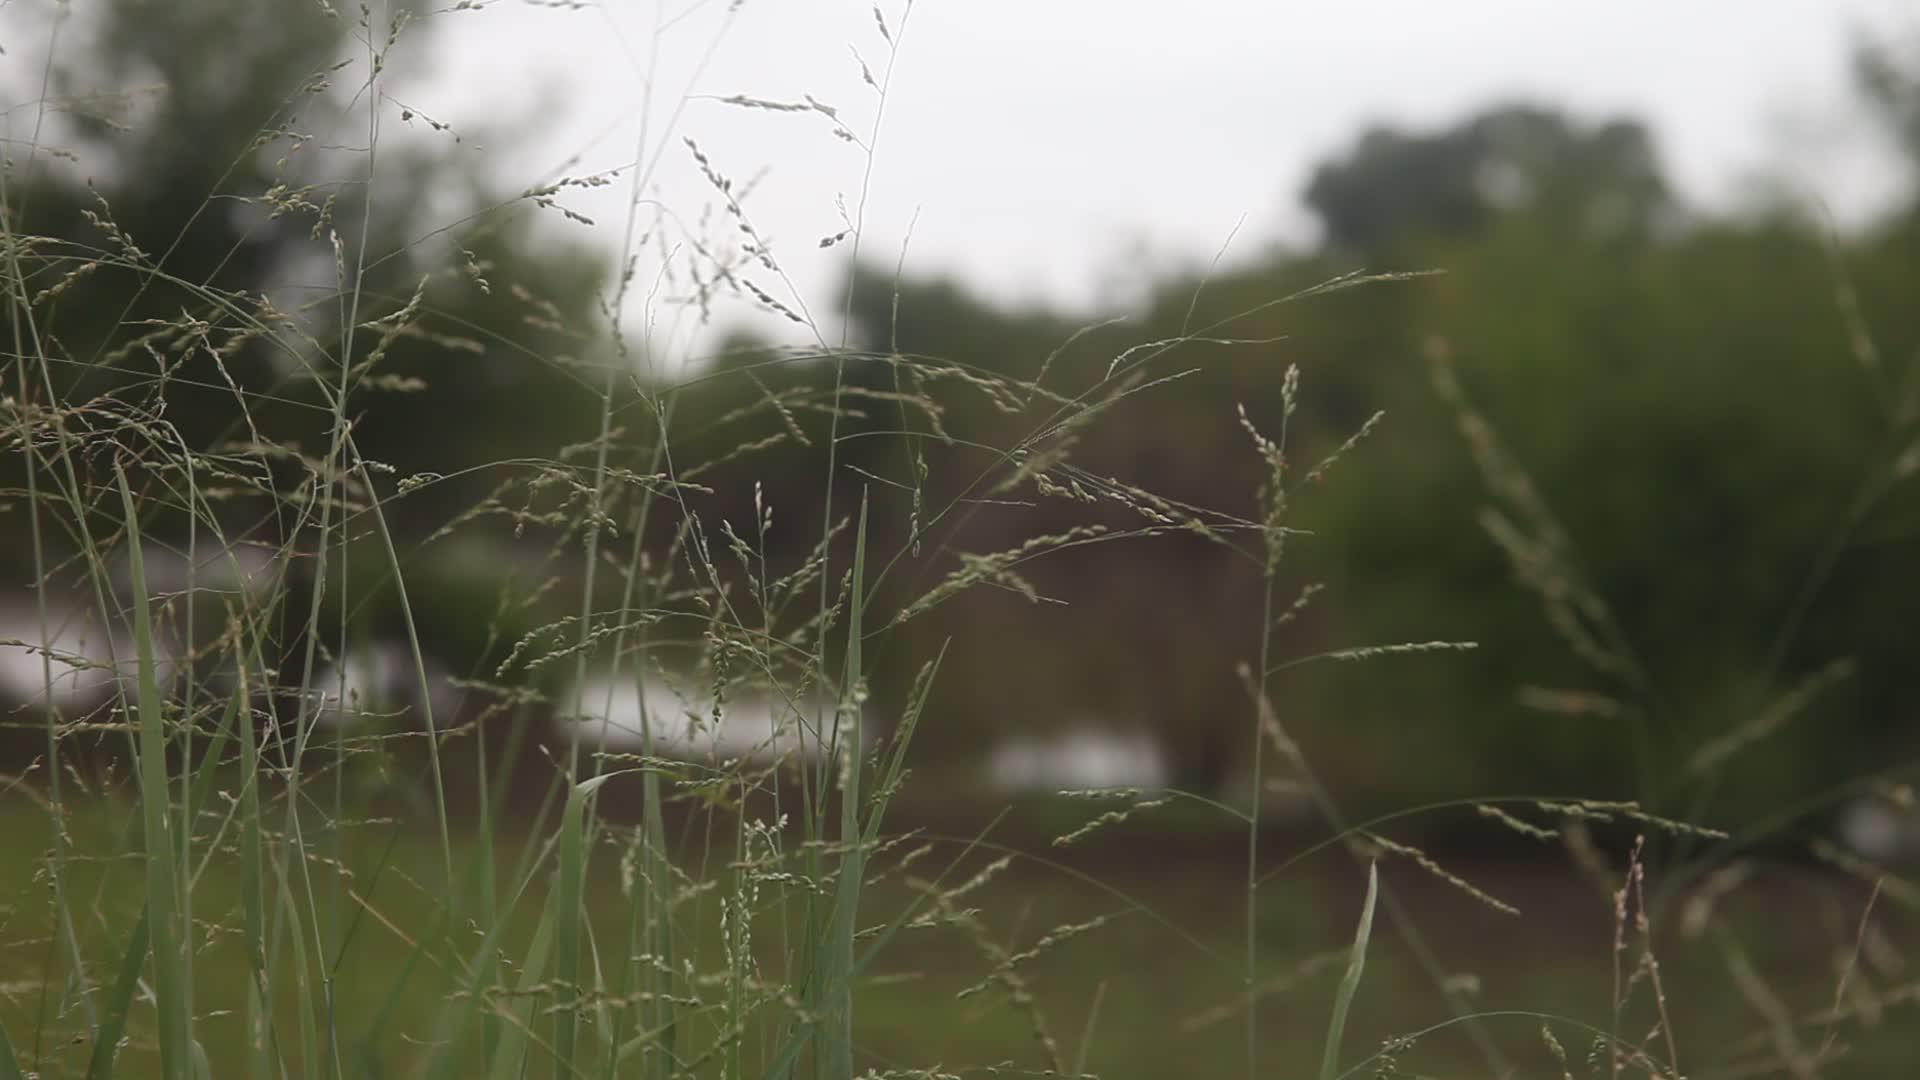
x,y
231,212
234,196
1138,632
925,413
1888,75
1692,405
1395,189
1718,438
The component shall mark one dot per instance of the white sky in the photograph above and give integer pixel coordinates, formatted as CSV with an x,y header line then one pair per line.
x,y
1061,149
1046,144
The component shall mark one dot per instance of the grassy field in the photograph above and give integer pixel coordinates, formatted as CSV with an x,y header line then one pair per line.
x,y
1155,989
271,877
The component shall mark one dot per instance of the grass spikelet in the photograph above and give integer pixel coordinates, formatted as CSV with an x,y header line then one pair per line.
x,y
1111,817
1308,968
1783,711
1524,828
1698,913
1299,605
1318,473
1896,888
1003,973
1421,859
1374,652
1558,1052
1268,720
986,874
1053,938
996,568
1603,811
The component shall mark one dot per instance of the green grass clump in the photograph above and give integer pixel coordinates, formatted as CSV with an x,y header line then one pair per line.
x,y
240,861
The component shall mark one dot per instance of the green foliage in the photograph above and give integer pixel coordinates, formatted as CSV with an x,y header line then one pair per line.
x,y
1693,415
217,194
421,446
1398,190
1701,415
1350,982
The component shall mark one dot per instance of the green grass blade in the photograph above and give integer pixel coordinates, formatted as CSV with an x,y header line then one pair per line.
x,y
113,1022
397,989
1350,982
509,1061
203,783
569,883
657,1015
1086,1033
170,990
789,1050
253,915
903,738
306,994
9,1063
833,1042
474,1005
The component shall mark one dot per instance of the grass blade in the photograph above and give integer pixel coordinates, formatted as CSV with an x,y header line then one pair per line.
x,y
833,1045
113,1022
477,1005
895,767
9,1064
1350,982
657,1015
509,1061
169,990
789,1050
569,881
259,1019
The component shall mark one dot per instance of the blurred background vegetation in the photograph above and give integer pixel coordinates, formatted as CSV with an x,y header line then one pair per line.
x,y
1719,409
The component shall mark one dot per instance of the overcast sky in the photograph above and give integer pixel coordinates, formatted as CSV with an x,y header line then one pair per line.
x,y
1057,149
1045,145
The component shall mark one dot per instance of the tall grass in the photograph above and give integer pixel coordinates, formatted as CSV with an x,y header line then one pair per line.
x,y
378,896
